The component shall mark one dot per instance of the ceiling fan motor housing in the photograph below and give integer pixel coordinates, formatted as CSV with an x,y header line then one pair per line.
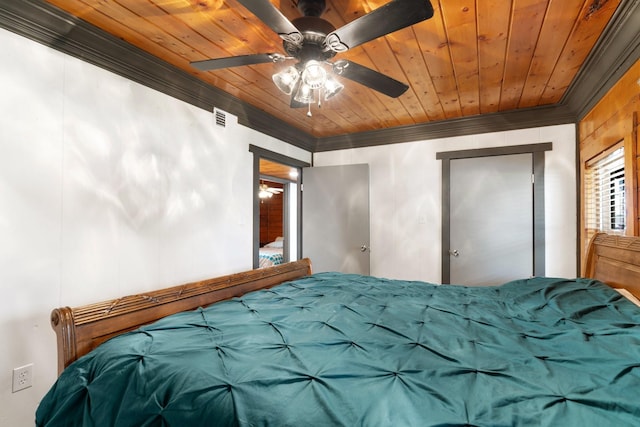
x,y
314,30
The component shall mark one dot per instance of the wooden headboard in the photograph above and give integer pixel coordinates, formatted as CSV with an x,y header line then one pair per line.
x,y
79,330
614,260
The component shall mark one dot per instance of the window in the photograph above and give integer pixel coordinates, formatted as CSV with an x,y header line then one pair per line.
x,y
605,204
617,202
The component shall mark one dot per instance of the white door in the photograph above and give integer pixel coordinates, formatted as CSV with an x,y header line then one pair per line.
x,y
335,218
491,217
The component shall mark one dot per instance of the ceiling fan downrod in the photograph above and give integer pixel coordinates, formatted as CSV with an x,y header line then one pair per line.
x,y
311,7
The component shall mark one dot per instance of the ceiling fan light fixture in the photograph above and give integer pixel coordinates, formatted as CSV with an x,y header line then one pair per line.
x,y
264,194
332,87
312,40
304,94
314,74
286,79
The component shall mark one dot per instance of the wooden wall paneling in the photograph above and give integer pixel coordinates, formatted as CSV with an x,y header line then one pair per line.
x,y
631,177
610,132
264,223
271,219
623,96
582,232
635,216
612,120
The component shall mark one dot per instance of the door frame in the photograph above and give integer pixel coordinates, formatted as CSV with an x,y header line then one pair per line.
x,y
337,206
537,151
261,153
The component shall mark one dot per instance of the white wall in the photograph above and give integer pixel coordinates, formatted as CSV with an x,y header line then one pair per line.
x,y
405,199
107,188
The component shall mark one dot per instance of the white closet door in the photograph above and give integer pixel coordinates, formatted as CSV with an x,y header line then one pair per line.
x,y
335,218
491,219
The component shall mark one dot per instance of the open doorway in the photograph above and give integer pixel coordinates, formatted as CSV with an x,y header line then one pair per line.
x,y
277,208
272,218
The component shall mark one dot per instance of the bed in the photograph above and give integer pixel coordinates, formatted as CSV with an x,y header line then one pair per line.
x,y
271,254
281,346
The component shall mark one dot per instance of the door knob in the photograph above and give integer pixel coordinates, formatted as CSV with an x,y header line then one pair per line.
x,y
363,248
454,252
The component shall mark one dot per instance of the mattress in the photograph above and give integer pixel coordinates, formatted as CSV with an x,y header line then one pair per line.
x,y
344,350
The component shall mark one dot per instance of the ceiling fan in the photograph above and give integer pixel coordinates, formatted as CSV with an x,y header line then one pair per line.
x,y
266,192
313,41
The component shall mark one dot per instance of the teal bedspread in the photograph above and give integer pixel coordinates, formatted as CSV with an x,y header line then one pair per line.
x,y
347,350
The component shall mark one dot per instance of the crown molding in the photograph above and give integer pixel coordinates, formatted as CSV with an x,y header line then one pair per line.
x,y
494,122
617,49
614,53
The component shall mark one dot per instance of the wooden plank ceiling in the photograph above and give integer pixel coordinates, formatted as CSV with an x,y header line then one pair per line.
x,y
471,58
277,170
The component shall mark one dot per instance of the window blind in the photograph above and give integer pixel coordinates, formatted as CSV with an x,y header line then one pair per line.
x,y
605,205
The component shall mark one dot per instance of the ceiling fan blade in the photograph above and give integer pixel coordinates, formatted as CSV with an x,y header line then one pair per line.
x,y
270,15
370,78
236,61
393,16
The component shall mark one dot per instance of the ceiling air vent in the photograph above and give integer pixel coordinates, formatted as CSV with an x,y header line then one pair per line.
x,y
221,118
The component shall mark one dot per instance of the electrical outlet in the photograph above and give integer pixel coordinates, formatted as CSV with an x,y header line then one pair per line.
x,y
22,377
